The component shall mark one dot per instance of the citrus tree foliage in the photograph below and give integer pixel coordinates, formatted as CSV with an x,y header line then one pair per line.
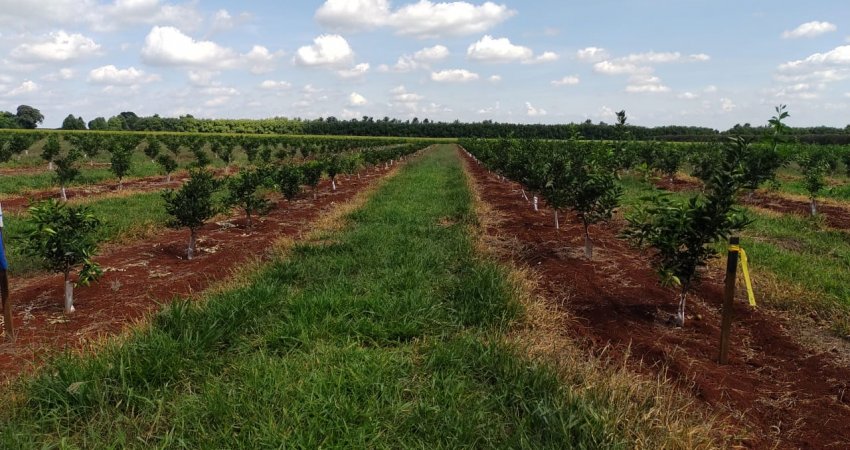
x,y
66,169
245,191
814,166
333,165
289,178
153,149
192,205
312,172
65,238
683,235
51,148
120,162
168,165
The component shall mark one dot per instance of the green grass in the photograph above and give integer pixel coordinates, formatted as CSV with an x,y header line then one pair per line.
x,y
797,250
386,334
124,218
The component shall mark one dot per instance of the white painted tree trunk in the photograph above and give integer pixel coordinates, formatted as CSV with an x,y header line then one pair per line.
x,y
814,207
69,294
190,253
168,178
536,208
50,165
333,185
557,223
63,194
524,196
680,317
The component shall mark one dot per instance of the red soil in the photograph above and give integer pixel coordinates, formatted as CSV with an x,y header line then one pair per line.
x,y
141,276
777,393
834,216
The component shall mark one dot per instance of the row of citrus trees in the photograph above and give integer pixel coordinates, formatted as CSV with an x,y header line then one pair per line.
x,y
582,176
64,236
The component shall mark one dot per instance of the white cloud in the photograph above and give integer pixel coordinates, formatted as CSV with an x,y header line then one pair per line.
x,y
810,30
273,85
645,84
328,50
260,60
652,57
423,19
489,49
61,74
619,68
400,95
454,76
57,47
112,16
354,72
571,80
419,60
838,56
688,96
495,78
710,89
699,57
727,104
501,50
592,54
168,46
27,87
531,111
112,75
491,109
356,99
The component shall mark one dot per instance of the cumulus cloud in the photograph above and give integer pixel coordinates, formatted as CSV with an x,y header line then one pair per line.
x,y
423,19
454,76
112,75
571,80
531,111
688,96
98,16
619,68
495,78
327,50
168,46
356,99
419,60
401,95
260,60
727,104
27,87
57,47
273,85
501,50
839,56
809,30
645,84
592,54
61,74
354,72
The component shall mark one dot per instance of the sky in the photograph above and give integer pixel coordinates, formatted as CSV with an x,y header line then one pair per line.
x,y
666,62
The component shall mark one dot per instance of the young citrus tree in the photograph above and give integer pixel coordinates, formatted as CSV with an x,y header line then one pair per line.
x,y
66,170
192,205
51,150
244,190
312,173
592,190
683,235
120,162
153,149
289,179
333,166
168,165
814,166
65,238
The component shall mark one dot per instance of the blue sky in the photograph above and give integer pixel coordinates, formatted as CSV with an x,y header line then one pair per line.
x,y
712,63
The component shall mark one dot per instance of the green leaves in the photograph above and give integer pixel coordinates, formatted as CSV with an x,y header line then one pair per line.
x,y
64,237
192,205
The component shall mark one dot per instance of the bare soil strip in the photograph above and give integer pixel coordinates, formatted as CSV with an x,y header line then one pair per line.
x,y
141,276
774,391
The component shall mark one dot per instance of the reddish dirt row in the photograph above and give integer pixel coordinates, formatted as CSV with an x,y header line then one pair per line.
x,y
781,394
834,216
38,169
145,184
140,277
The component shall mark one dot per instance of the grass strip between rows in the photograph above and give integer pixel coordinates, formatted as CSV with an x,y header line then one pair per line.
x,y
387,333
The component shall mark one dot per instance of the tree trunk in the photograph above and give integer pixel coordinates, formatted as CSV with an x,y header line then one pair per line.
x,y
63,194
49,165
814,207
120,184
249,225
69,294
190,254
315,193
535,204
588,244
680,317
333,184
557,223
523,195
168,178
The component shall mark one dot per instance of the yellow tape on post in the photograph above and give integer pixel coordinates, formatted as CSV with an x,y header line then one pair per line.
x,y
746,268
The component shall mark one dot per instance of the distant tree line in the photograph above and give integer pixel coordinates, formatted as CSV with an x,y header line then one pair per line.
x,y
28,117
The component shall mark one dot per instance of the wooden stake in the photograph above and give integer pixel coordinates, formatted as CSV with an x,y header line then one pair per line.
x,y
728,301
6,302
